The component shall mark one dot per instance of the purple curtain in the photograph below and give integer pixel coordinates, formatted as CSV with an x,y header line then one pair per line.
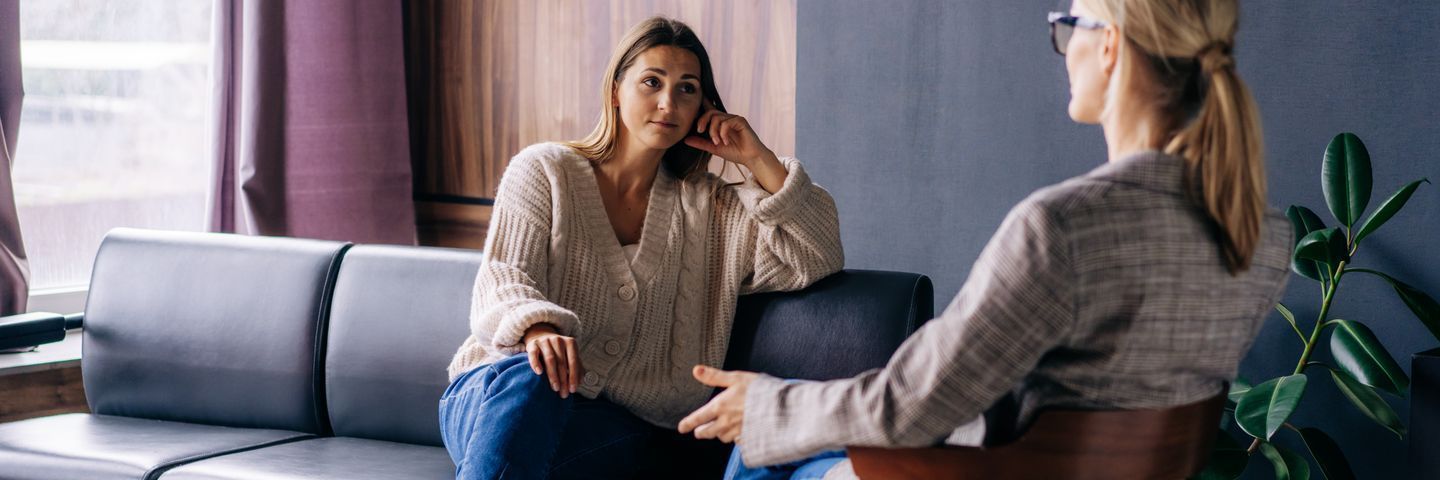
x,y
309,131
14,266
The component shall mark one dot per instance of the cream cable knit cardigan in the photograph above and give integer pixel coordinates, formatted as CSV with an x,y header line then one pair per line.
x,y
551,256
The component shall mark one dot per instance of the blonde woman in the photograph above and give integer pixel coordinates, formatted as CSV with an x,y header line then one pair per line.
x,y
1138,285
612,267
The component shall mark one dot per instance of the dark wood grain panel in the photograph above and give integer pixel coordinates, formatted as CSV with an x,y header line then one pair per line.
x,y
489,77
41,393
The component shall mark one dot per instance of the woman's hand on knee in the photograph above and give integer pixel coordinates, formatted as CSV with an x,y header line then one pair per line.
x,y
554,355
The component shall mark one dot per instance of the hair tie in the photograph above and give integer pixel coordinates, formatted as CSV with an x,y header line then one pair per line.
x,y
1215,57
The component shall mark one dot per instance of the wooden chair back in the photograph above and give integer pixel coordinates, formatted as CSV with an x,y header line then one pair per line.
x,y
1172,443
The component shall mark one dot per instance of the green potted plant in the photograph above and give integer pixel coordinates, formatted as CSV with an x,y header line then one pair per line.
x,y
1362,369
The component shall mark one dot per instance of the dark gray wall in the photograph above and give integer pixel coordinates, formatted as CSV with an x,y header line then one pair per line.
x,y
928,120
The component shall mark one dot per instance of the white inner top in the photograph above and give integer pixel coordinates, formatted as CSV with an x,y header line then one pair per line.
x,y
630,251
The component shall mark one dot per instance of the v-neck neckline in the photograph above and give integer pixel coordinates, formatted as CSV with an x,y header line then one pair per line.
x,y
653,232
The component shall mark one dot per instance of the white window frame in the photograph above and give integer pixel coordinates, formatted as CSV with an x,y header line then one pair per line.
x,y
61,300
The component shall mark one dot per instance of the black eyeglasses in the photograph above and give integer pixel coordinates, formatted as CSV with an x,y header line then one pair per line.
x,y
1062,27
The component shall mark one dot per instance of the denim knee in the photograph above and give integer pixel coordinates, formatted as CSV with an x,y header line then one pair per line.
x,y
513,374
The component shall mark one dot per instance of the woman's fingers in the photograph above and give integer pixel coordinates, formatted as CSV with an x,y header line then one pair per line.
x,y
714,126
550,373
562,364
719,429
573,355
742,128
734,129
724,130
533,351
722,428
729,435
702,416
703,120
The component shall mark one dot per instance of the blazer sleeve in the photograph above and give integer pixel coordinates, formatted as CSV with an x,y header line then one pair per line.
x,y
1016,304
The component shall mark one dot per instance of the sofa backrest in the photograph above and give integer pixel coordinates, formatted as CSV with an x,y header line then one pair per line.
x,y
845,324
282,333
207,328
398,315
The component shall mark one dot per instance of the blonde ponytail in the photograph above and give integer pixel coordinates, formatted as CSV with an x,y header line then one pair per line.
x,y
1225,150
1217,124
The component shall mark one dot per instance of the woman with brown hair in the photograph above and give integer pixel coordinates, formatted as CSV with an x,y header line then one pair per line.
x,y
612,266
1138,285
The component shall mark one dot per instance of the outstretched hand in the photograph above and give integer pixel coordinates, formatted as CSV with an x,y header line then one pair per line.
x,y
723,417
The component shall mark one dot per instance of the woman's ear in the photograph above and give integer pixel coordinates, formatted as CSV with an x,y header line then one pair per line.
x,y
1110,49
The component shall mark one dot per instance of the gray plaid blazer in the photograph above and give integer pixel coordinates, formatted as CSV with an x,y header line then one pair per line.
x,y
1105,291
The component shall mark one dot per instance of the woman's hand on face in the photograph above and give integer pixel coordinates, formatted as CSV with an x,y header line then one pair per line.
x,y
554,355
729,137
724,417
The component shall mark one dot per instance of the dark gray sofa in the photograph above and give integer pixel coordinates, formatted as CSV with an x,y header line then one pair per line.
x,y
211,356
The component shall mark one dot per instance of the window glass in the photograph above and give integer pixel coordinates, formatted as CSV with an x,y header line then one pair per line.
x,y
113,127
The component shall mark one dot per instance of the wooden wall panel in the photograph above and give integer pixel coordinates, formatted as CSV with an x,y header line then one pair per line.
x,y
490,77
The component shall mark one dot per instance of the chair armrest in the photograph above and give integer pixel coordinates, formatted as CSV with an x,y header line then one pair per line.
x,y
31,329
74,321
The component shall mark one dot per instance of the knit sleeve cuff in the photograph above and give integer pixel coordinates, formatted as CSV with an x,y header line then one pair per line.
x,y
769,208
510,335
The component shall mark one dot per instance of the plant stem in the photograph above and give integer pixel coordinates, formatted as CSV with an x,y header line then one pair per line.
x,y
1320,322
1314,334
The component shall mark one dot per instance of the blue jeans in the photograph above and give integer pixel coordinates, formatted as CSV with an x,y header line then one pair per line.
x,y
502,421
812,468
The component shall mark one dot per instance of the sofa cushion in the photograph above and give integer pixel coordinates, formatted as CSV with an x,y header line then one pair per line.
x,y
100,447
338,458
398,315
207,328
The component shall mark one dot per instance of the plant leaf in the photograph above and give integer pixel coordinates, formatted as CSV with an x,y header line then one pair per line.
x,y
1290,317
1368,402
1227,459
1426,309
1288,465
1323,246
1345,178
1238,389
1388,209
1360,354
1304,221
1263,409
1327,454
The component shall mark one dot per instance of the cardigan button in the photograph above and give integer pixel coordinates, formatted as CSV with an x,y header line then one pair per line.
x,y
591,379
627,293
612,347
